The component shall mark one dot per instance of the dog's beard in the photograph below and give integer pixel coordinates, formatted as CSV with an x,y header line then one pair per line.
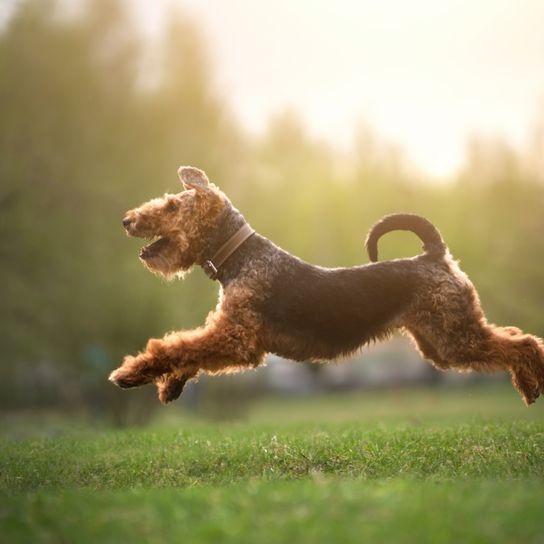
x,y
164,257
156,247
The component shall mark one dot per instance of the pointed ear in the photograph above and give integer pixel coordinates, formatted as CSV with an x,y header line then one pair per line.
x,y
193,178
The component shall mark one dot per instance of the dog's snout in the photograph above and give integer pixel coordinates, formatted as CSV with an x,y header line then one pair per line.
x,y
126,222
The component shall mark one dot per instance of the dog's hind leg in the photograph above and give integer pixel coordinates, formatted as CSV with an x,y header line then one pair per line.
x,y
486,348
505,349
427,350
526,357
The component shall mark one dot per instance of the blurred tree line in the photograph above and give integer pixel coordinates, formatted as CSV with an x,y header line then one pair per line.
x,y
90,126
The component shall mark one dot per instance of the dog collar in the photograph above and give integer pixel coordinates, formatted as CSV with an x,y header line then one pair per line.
x,y
211,266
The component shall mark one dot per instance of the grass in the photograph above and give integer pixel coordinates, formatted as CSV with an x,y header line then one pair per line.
x,y
446,471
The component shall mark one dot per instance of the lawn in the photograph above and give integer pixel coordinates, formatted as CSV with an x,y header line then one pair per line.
x,y
404,466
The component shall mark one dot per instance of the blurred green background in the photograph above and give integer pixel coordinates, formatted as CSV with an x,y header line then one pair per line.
x,y
84,136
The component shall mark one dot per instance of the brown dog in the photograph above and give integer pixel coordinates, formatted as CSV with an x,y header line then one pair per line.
x,y
272,302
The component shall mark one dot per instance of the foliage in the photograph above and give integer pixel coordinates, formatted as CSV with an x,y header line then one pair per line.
x,y
88,130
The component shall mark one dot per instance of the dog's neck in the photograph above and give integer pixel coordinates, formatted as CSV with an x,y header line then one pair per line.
x,y
231,230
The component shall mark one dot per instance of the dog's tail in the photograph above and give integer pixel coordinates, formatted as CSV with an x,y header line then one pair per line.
x,y
433,244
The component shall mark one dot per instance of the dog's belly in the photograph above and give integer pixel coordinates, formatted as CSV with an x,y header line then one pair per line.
x,y
316,313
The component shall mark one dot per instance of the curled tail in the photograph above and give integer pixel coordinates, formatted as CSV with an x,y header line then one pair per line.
x,y
433,244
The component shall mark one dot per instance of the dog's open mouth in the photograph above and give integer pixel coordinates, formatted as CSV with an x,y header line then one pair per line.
x,y
151,250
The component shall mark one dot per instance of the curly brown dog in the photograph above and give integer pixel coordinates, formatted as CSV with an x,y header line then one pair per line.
x,y
273,302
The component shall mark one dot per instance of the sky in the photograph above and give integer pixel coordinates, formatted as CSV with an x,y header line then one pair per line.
x,y
425,74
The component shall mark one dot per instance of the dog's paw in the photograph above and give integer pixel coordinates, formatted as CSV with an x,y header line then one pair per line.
x,y
132,373
170,387
122,379
526,386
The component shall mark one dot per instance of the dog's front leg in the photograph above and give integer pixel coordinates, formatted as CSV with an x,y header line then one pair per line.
x,y
178,357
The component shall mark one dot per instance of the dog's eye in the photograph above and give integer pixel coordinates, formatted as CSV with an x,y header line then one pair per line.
x,y
172,206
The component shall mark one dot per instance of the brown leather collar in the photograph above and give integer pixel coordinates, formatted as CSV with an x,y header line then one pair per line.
x,y
211,266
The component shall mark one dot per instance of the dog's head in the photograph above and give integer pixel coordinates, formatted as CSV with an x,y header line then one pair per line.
x,y
177,224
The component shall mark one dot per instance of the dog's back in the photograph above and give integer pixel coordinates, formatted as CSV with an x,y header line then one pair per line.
x,y
318,313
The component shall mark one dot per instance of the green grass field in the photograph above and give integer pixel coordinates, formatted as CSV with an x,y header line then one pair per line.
x,y
404,466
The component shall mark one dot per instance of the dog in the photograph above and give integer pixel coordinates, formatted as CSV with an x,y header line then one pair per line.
x,y
273,302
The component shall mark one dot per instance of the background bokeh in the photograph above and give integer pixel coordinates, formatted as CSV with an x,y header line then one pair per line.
x,y
95,117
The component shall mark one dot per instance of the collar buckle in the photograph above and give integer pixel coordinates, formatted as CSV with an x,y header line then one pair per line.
x,y
210,270
211,266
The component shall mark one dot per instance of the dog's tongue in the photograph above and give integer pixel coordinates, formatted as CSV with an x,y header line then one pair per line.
x,y
152,249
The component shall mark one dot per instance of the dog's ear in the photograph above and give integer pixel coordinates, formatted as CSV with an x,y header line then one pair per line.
x,y
193,178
